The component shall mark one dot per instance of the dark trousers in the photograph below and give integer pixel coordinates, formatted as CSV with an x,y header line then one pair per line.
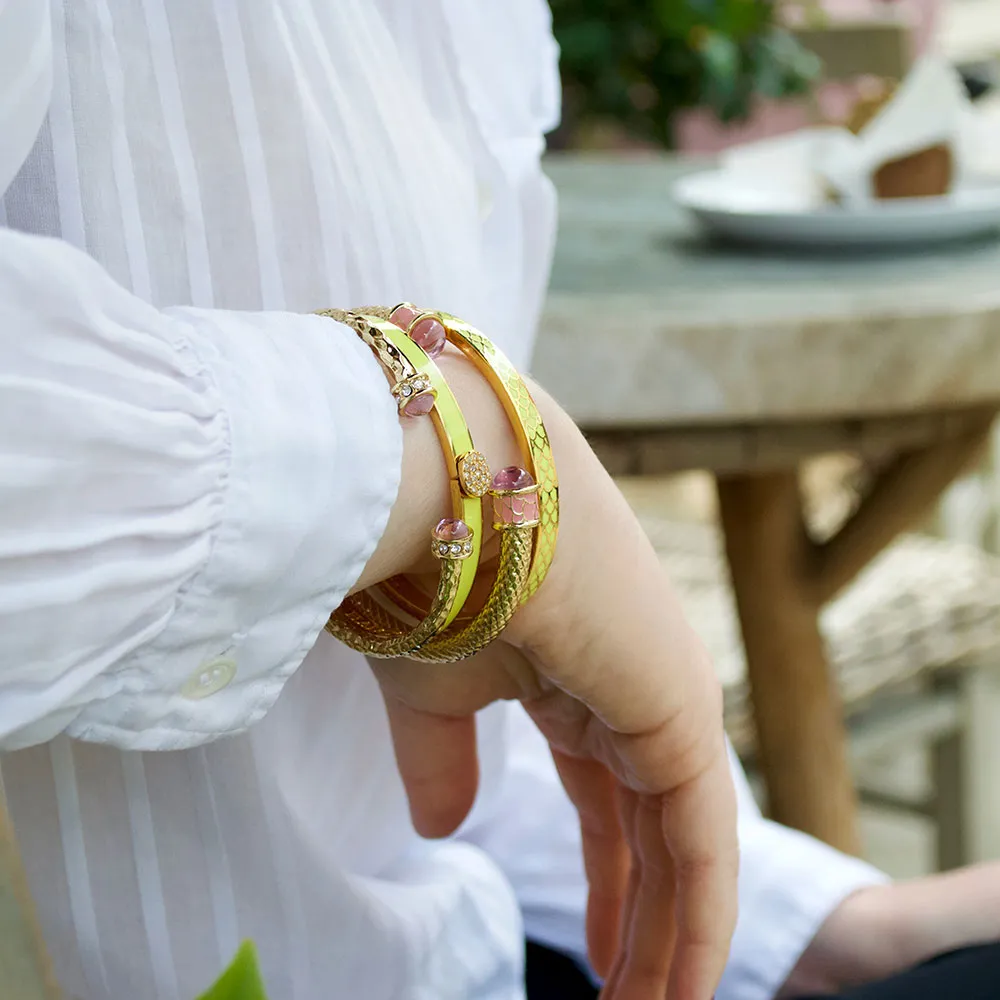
x,y
970,974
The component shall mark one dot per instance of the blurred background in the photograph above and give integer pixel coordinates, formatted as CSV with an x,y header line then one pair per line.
x,y
798,393
699,75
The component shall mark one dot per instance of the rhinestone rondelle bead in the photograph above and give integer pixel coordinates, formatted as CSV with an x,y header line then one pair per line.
x,y
414,396
451,539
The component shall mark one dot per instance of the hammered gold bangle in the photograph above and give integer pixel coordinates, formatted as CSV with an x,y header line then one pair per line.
x,y
419,388
525,501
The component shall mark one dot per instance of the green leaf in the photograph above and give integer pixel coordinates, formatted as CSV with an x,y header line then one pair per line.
x,y
676,18
586,41
241,981
721,59
742,19
783,66
639,62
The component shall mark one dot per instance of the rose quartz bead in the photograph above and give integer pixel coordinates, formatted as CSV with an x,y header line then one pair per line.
x,y
403,316
512,478
429,334
451,529
419,405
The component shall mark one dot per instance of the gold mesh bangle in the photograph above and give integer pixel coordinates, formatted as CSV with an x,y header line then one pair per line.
x,y
360,622
522,567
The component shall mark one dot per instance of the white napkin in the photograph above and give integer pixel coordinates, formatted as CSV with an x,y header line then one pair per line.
x,y
930,107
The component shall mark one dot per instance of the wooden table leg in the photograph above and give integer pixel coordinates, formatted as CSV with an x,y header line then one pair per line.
x,y
800,729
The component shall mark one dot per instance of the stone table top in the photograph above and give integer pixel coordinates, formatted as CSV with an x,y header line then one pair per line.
x,y
647,323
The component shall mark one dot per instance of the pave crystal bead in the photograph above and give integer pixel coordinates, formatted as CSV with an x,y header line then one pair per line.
x,y
456,548
419,405
474,474
512,478
452,529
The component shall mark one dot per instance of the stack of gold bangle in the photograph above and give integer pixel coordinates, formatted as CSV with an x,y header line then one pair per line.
x,y
393,619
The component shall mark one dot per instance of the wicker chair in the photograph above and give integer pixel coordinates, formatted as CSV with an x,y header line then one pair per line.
x,y
912,642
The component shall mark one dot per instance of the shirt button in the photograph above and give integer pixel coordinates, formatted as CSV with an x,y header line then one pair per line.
x,y
211,676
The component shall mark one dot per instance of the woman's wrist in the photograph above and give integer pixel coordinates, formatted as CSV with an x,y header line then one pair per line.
x,y
423,497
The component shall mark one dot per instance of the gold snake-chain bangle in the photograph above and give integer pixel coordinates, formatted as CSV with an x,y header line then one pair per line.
x,y
503,601
518,510
417,378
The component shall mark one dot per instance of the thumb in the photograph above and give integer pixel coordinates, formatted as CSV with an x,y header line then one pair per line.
x,y
437,760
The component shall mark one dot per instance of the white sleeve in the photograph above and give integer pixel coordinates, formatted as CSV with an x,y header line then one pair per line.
x,y
25,80
789,883
185,495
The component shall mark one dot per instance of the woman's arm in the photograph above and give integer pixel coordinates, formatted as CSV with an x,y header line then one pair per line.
x,y
185,495
621,688
883,930
423,494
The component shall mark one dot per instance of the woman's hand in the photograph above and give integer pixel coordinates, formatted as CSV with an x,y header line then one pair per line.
x,y
620,686
883,930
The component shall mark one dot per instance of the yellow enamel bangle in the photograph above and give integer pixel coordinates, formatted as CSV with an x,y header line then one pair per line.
x,y
419,389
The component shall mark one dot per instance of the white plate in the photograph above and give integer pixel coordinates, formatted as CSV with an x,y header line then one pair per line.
x,y
737,209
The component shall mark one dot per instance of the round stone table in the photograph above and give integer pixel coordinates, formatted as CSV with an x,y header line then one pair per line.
x,y
676,354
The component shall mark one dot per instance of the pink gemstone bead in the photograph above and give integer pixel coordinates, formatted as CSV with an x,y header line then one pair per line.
x,y
402,316
512,478
451,529
419,405
429,334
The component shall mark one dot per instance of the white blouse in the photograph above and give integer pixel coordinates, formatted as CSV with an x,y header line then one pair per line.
x,y
194,473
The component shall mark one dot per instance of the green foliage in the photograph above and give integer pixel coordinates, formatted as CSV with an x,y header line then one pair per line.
x,y
241,981
640,61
